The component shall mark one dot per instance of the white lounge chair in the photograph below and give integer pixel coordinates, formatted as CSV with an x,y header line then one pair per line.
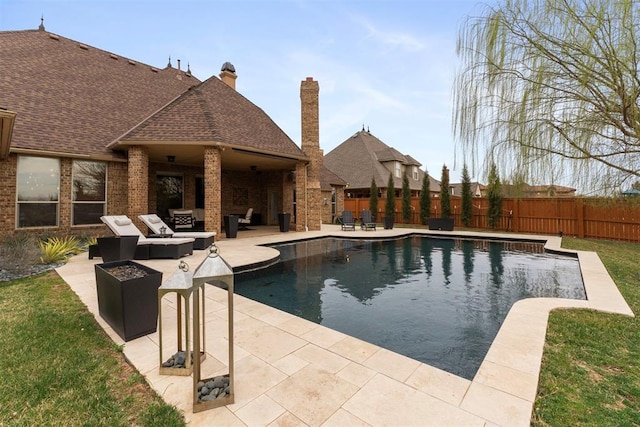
x,y
243,222
203,239
121,225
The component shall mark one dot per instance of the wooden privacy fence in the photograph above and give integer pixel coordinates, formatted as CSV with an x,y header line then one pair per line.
x,y
612,219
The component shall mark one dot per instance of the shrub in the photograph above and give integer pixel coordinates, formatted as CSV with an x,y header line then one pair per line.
x,y
56,250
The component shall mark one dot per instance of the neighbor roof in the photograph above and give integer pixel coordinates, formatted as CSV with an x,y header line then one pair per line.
x,y
76,99
361,157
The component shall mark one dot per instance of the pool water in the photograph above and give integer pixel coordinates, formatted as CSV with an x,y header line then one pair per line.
x,y
439,301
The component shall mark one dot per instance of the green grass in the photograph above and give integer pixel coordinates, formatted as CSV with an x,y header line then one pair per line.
x,y
60,368
591,365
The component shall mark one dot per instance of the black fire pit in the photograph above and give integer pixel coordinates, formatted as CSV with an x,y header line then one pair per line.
x,y
128,297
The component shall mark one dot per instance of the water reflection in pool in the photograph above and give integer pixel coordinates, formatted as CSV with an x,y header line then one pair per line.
x,y
439,301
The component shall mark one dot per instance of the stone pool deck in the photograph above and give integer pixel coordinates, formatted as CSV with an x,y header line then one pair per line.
x,y
292,372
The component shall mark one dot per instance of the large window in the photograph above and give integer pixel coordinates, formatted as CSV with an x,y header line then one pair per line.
x,y
38,191
169,189
89,191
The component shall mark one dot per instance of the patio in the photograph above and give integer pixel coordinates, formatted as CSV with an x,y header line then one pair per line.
x,y
289,371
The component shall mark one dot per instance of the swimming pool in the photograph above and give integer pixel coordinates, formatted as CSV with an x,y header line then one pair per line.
x,y
439,301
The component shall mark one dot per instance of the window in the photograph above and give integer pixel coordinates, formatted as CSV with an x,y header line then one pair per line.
x,y
398,170
89,192
415,173
169,190
38,191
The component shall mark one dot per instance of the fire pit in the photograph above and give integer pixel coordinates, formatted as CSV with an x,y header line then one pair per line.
x,y
127,297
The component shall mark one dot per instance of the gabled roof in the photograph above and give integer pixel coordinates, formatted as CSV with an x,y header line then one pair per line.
x,y
76,99
329,179
362,157
213,112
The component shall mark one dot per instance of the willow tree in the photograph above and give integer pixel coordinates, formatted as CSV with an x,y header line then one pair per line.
x,y
550,88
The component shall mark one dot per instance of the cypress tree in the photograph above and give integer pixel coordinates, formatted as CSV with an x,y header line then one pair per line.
x,y
494,194
390,203
445,197
425,199
406,200
467,198
373,200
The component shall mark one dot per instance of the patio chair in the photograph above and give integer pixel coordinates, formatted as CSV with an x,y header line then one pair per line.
x,y
203,239
147,248
366,221
348,223
243,222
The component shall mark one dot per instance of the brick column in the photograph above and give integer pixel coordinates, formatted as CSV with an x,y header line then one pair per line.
x,y
212,190
309,90
301,196
138,179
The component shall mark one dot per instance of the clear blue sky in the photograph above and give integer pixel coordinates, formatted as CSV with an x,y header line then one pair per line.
x,y
386,64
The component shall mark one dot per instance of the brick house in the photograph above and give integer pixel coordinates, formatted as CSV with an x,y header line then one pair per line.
x,y
363,157
85,132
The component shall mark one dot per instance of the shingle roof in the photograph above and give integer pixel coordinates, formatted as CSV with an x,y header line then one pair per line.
x,y
358,159
74,98
214,112
329,179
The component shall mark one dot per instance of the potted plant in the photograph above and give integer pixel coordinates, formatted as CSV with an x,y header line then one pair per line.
x,y
128,297
390,205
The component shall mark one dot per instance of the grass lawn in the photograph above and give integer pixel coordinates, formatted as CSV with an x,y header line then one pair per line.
x,y
591,364
59,367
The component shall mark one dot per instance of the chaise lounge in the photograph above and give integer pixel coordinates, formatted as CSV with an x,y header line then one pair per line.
x,y
203,239
147,248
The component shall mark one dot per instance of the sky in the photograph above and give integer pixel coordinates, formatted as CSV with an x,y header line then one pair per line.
x,y
387,65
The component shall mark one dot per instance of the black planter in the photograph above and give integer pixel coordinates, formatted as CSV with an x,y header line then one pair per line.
x,y
231,226
283,221
117,248
128,305
444,224
387,222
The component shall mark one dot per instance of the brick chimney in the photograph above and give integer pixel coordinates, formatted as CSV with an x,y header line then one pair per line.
x,y
310,145
228,75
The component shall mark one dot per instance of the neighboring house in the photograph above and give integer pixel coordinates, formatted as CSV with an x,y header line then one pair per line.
x,y
527,191
363,157
477,189
85,132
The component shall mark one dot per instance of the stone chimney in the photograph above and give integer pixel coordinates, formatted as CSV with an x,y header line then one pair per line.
x,y
228,75
310,145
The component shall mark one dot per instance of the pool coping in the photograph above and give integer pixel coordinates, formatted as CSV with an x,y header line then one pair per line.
x,y
501,393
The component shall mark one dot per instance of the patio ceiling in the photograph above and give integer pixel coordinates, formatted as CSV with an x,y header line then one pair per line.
x,y
232,158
